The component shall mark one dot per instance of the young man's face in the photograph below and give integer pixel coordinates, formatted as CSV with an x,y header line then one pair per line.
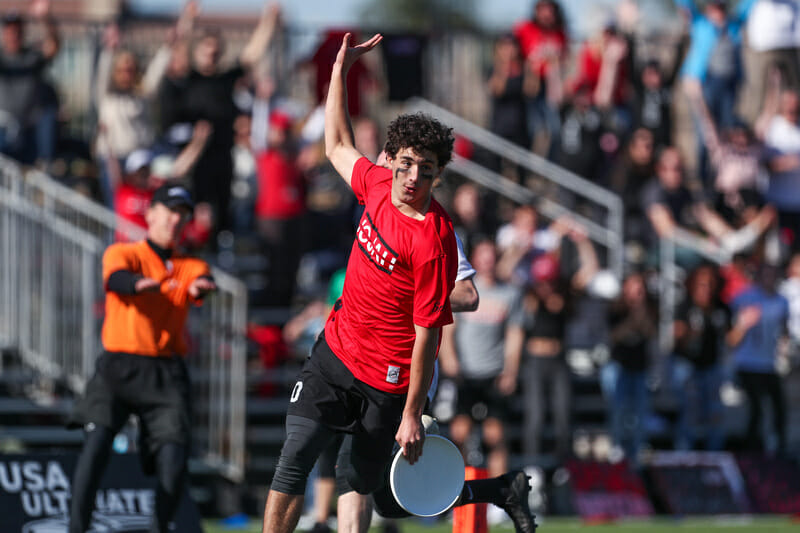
x,y
164,224
412,176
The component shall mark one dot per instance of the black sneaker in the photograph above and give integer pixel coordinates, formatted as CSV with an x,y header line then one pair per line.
x,y
516,501
320,527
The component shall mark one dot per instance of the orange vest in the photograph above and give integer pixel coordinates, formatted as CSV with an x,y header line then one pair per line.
x,y
149,323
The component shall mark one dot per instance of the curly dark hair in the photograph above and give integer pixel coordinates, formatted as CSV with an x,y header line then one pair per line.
x,y
420,132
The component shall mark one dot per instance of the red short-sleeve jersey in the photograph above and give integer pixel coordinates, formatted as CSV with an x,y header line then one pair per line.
x,y
400,273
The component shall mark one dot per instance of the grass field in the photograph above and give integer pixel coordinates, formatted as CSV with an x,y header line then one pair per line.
x,y
728,524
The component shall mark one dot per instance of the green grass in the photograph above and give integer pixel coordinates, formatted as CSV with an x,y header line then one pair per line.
x,y
727,524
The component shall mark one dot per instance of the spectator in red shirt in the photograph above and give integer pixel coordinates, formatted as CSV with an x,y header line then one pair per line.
x,y
143,173
132,197
603,65
280,209
543,41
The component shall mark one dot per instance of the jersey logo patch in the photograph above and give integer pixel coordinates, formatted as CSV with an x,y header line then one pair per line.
x,y
393,374
374,247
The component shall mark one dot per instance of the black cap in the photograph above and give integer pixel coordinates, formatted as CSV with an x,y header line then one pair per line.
x,y
172,196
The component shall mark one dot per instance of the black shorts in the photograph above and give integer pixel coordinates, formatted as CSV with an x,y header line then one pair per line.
x,y
327,392
480,399
155,389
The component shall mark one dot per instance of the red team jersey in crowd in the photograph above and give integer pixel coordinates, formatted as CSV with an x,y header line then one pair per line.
x,y
131,204
400,273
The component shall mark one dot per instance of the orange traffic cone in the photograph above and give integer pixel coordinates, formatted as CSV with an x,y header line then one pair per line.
x,y
471,518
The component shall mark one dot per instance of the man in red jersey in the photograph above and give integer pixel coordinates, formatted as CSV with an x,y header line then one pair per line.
x,y
371,367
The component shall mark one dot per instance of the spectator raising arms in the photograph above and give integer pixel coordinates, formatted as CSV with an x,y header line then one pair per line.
x,y
543,42
22,83
125,99
207,94
714,59
736,158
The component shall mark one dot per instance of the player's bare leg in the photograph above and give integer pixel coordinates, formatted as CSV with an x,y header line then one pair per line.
x,y
354,513
282,512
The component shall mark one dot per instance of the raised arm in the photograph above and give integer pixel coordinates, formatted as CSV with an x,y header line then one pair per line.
x,y
40,12
587,258
189,156
157,68
770,105
339,141
262,36
708,130
613,55
103,74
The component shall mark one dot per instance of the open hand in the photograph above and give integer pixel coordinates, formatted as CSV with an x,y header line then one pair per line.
x,y
349,54
200,287
111,36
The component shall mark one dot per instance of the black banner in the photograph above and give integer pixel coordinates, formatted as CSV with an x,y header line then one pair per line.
x,y
35,496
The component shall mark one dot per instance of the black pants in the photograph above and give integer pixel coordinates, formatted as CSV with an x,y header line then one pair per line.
x,y
170,465
546,380
758,385
327,401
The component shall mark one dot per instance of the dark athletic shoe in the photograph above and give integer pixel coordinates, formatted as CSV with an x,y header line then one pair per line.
x,y
515,503
320,527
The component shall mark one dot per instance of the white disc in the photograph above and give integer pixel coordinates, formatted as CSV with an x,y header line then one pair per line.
x,y
432,485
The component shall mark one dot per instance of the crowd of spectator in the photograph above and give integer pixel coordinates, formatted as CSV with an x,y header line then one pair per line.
x,y
605,110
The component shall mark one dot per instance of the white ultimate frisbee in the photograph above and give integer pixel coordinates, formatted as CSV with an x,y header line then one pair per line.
x,y
433,484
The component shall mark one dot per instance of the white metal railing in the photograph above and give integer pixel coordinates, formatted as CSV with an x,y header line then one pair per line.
x,y
52,240
609,235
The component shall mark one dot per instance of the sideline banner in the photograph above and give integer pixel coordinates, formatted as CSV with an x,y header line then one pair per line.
x,y
35,496
699,482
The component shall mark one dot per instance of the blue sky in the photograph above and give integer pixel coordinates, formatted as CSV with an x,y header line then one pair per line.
x,y
496,14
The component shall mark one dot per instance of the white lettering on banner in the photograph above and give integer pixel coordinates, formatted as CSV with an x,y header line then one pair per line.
x,y
33,476
15,476
10,477
129,501
374,247
44,491
32,504
55,477
45,503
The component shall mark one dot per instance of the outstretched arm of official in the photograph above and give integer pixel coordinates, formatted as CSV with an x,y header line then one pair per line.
x,y
339,140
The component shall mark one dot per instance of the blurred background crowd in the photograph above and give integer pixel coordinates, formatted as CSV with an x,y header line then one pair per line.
x,y
691,121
